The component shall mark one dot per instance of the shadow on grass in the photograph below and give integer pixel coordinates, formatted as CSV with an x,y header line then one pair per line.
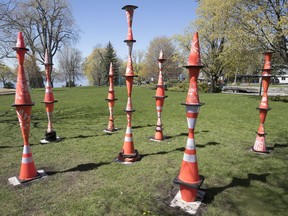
x,y
211,193
277,145
163,152
207,144
86,136
137,127
80,168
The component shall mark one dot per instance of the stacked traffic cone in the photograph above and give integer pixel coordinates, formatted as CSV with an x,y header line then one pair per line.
x,y
260,142
160,96
128,154
111,101
23,106
50,134
189,179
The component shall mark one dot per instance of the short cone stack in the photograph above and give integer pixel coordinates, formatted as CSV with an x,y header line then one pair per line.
x,y
189,179
50,134
23,106
260,142
128,153
160,97
111,101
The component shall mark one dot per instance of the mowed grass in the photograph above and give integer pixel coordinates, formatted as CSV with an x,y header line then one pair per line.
x,y
84,179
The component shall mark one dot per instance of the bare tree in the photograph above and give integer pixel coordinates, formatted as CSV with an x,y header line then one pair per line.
x,y
6,74
46,24
70,64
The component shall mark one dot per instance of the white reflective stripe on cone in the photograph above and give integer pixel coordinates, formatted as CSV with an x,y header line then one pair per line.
x,y
27,160
191,122
189,158
190,145
128,139
159,107
128,130
26,149
192,109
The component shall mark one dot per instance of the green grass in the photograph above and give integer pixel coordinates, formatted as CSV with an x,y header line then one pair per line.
x,y
84,180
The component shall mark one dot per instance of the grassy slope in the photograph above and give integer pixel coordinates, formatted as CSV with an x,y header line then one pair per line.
x,y
84,180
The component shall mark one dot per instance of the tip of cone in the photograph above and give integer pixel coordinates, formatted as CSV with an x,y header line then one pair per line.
x,y
161,55
194,56
20,41
111,71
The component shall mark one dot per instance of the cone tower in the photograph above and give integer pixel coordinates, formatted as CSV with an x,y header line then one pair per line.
x,y
160,97
111,101
23,105
50,134
128,153
260,142
189,179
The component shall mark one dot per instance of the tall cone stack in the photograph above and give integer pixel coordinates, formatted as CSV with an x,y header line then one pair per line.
x,y
23,106
160,97
189,179
50,134
128,153
111,101
260,142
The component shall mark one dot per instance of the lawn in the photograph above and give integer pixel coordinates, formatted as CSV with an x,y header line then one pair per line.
x,y
83,178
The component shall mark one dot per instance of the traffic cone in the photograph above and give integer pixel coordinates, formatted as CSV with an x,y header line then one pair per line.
x,y
189,179
260,142
159,96
128,153
111,101
50,134
23,106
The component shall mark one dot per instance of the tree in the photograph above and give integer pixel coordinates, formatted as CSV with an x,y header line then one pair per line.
x,y
34,74
6,75
70,64
171,66
93,66
138,64
46,25
110,56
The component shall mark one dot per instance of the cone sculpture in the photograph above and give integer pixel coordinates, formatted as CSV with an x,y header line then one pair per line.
x,y
50,134
260,142
111,101
160,96
128,154
188,178
23,106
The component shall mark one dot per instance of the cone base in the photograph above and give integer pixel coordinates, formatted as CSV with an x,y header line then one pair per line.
x,y
44,141
114,130
159,140
49,102
129,157
189,207
260,152
196,104
190,185
16,181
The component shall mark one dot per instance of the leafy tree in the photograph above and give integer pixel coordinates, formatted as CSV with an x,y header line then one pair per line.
x,y
93,66
110,56
70,64
171,66
34,74
6,74
138,64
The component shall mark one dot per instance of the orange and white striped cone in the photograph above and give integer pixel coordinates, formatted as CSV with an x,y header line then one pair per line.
x,y
160,97
260,142
128,153
50,133
23,106
111,101
189,179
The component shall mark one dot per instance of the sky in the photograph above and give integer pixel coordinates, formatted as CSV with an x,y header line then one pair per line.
x,y
101,21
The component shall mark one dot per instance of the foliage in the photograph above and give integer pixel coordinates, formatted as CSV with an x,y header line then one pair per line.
x,y
110,56
279,98
33,72
83,178
9,85
93,66
171,66
6,74
70,64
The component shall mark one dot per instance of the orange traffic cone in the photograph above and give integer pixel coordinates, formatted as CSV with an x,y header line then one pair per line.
x,y
23,106
111,101
160,96
50,134
260,142
189,179
128,153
